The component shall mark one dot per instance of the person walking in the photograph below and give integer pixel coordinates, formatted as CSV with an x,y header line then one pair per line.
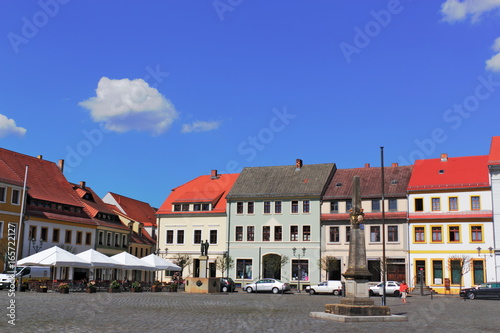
x,y
403,290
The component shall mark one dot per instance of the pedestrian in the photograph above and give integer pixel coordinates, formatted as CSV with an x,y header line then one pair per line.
x,y
403,290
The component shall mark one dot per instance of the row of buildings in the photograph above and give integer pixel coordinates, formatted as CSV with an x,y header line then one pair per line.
x,y
438,217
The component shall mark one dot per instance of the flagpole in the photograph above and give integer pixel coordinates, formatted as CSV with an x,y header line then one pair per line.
x,y
19,230
384,264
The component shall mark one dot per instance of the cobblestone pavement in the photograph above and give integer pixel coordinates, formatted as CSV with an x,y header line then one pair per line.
x,y
235,312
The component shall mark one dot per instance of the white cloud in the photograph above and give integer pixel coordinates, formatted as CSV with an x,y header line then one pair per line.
x,y
125,105
457,10
200,126
493,64
8,127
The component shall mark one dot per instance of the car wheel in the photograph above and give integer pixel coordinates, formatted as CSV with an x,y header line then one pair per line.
x,y
224,289
371,293
471,295
312,292
396,293
336,292
249,290
275,290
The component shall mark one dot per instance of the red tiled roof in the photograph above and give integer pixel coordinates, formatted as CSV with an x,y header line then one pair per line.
x,y
137,210
368,216
450,173
395,182
202,187
45,180
494,156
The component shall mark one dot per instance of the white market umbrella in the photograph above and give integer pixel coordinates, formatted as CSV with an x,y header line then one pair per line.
x,y
55,256
160,263
129,261
98,260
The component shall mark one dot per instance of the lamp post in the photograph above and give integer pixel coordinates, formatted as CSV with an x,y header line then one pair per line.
x,y
299,263
35,246
490,249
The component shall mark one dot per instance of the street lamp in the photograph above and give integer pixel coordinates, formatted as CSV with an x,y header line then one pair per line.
x,y
490,249
299,264
35,246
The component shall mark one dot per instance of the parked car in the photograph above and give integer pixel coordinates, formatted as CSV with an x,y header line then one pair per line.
x,y
488,289
227,285
26,272
326,287
267,285
392,288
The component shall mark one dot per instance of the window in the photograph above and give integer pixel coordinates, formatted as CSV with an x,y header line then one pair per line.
x,y
374,233
197,207
475,203
250,207
88,238
306,233
278,233
436,204
170,237
239,234
79,237
277,207
437,271
306,206
32,233
117,240
437,234
44,233
392,233
348,205
213,236
67,237
266,233
180,236
108,239
453,203
478,271
55,235
15,197
2,194
334,207
476,232
419,233
375,205
124,240
244,269
347,234
393,204
295,207
185,207
454,232
300,270
456,271
205,207
294,233
419,205
334,235
1,229
101,238
250,233
197,236
267,207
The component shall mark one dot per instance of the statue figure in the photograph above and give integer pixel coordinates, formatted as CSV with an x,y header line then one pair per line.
x,y
202,248
357,217
206,247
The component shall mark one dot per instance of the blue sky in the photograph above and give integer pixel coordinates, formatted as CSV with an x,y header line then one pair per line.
x,y
139,97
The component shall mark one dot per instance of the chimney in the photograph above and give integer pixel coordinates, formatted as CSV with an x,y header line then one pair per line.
x,y
61,165
444,157
298,163
214,174
40,157
367,165
395,164
82,184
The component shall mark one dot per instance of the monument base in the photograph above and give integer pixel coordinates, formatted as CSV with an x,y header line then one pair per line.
x,y
362,301
202,285
357,310
350,319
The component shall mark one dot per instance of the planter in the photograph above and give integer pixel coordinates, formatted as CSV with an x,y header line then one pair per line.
x,y
156,289
171,290
113,290
42,290
64,291
136,290
90,290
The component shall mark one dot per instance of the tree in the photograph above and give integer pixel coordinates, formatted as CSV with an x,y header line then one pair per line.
x,y
459,265
224,263
67,247
182,260
273,264
328,264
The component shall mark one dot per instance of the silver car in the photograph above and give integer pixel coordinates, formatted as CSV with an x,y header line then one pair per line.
x,y
267,285
392,288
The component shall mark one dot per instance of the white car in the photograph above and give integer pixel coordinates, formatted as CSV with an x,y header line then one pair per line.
x,y
392,288
267,285
326,287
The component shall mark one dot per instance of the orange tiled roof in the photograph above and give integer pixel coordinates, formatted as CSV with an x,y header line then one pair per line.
x,y
450,173
494,157
206,188
137,210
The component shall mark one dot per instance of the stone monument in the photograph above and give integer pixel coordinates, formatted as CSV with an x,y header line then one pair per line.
x,y
203,284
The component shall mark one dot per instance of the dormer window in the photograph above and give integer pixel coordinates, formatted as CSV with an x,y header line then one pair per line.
x,y
205,207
